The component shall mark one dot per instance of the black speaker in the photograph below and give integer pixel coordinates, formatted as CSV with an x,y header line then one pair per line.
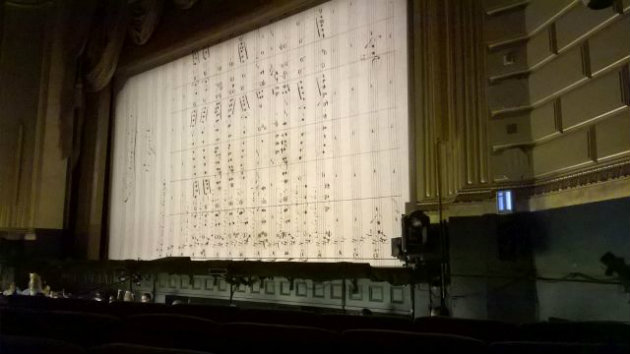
x,y
598,4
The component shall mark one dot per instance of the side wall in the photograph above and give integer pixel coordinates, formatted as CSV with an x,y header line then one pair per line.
x,y
33,173
533,266
571,240
558,88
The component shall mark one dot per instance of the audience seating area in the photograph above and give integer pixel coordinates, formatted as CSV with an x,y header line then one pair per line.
x,y
43,325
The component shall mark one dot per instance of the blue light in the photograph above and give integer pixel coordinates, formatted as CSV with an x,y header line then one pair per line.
x,y
508,200
500,203
504,201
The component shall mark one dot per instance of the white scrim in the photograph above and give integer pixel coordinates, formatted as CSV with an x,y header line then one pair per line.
x,y
286,143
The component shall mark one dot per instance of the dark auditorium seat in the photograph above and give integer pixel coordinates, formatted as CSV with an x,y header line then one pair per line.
x,y
35,345
287,317
557,348
125,348
340,322
62,304
212,312
169,331
21,322
390,341
579,332
81,328
244,337
125,309
485,330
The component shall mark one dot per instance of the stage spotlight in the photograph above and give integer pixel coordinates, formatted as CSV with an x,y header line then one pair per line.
x,y
420,241
415,233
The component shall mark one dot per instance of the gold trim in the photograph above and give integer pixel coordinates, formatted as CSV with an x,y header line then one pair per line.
x,y
592,193
510,111
501,9
585,53
624,81
553,39
557,114
562,132
542,186
555,50
526,37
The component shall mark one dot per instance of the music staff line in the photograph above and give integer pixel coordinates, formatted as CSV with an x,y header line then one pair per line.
x,y
259,135
281,205
284,164
256,61
279,83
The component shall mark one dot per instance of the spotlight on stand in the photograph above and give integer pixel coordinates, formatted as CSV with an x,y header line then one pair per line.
x,y
423,246
420,241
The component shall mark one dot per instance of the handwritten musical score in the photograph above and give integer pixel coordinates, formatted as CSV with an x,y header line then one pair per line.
x,y
289,142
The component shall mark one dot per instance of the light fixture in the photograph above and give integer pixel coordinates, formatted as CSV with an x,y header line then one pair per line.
x,y
505,202
420,241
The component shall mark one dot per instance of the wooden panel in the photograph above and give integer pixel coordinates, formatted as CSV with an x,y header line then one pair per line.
x,y
602,51
579,22
511,130
508,93
592,101
495,61
504,27
543,121
511,165
556,75
541,12
612,135
538,48
528,128
562,153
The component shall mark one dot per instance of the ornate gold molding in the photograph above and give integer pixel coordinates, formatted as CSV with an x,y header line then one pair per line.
x,y
450,115
598,174
575,180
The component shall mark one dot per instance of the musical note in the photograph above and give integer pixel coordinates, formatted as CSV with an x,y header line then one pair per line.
x,y
195,189
242,51
300,90
244,103
370,48
193,118
206,186
319,23
204,115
